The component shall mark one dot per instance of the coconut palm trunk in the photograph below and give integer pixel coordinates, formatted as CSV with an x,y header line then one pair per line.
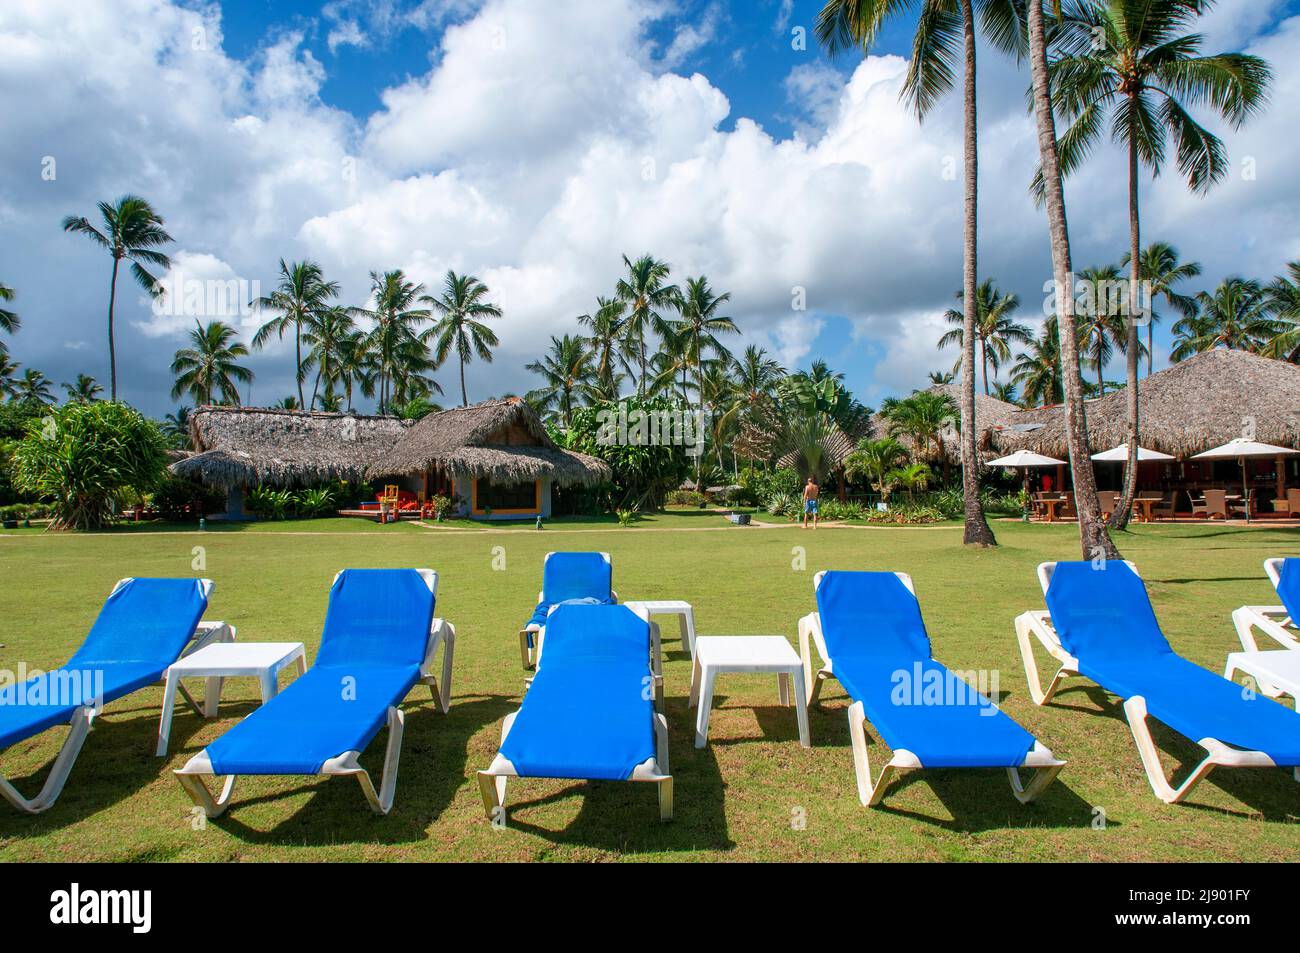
x,y
297,347
1093,537
112,343
1120,517
977,531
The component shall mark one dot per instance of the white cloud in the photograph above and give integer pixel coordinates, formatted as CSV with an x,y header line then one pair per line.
x,y
545,141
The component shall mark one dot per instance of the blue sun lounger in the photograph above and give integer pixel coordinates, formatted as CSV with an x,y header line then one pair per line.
x,y
585,578
1277,622
869,631
144,627
379,641
591,711
1100,624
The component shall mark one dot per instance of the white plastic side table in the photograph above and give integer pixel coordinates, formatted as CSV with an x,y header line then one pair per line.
x,y
772,654
683,610
1274,670
262,660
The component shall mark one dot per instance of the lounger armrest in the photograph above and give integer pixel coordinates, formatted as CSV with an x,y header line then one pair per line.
x,y
810,631
1039,623
1270,620
657,665
208,633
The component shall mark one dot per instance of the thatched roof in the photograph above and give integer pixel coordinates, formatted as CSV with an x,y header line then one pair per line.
x,y
990,415
1199,403
245,446
502,440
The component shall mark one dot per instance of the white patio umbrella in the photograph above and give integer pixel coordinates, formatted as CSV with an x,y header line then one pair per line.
x,y
1239,449
1120,455
1023,460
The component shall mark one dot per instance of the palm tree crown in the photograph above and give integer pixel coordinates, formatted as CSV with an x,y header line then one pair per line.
x,y
463,307
210,365
301,297
565,370
645,291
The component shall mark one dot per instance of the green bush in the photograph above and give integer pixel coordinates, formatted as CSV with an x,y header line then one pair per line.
x,y
316,501
84,458
686,498
626,517
269,503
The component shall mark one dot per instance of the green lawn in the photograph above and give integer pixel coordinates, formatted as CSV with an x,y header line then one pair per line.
x,y
735,799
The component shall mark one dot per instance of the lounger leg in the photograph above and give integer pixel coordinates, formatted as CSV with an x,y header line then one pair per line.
x,y
202,797
382,802
1031,666
665,787
869,794
525,653
448,655
1042,778
493,790
1135,710
82,722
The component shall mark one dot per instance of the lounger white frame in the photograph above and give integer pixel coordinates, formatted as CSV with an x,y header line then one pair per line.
x,y
441,633
83,718
492,781
527,655
1273,621
1045,765
1038,623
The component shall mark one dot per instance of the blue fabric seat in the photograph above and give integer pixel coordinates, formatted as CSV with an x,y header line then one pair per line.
x,y
578,578
142,629
1104,619
374,641
588,713
1288,588
880,652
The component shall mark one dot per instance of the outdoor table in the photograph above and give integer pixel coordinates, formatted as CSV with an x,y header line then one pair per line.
x,y
222,660
772,654
1272,668
1049,507
683,610
1144,505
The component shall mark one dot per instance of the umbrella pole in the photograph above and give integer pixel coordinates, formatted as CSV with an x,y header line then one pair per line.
x,y
1024,507
1245,487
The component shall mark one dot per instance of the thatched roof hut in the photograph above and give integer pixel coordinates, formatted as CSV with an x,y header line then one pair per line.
x,y
1201,402
248,446
503,441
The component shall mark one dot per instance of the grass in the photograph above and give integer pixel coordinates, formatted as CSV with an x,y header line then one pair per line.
x,y
736,798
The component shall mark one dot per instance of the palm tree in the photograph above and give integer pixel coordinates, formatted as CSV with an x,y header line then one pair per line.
x,y
647,297
464,308
1160,269
287,403
1005,391
1145,73
994,329
33,389
922,417
356,366
397,323
1236,316
411,373
8,372
176,428
856,24
1103,327
1037,371
607,343
9,322
326,334
913,477
874,459
942,378
301,297
702,324
131,231
84,391
565,370
210,364
1094,539
1284,305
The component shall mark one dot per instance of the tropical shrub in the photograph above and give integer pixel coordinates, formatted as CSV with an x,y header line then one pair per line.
x,y
783,504
441,505
269,503
686,498
626,517
86,458
316,501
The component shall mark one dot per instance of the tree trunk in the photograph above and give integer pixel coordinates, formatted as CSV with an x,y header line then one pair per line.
x,y
984,359
977,531
699,382
1094,540
297,346
112,346
1119,519
464,394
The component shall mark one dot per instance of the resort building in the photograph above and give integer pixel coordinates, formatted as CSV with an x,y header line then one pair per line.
x,y
494,459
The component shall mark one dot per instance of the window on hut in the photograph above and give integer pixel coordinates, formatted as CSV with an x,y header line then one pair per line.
x,y
508,496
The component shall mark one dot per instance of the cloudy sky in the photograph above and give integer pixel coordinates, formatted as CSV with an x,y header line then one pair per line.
x,y
533,143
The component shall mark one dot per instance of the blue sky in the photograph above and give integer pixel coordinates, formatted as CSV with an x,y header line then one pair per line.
x,y
772,170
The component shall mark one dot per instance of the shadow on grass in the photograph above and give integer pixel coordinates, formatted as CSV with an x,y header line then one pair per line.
x,y
1268,793
978,799
433,768
623,817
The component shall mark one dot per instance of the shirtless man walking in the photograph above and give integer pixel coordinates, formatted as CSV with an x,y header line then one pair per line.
x,y
810,502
